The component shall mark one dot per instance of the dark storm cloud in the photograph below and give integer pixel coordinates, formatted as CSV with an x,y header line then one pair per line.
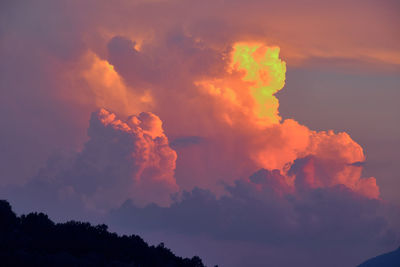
x,y
262,214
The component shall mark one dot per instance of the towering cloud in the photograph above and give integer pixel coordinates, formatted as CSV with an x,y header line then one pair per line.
x,y
322,159
242,130
236,115
303,186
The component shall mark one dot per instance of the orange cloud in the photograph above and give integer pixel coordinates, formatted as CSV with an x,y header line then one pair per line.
x,y
246,99
110,90
138,155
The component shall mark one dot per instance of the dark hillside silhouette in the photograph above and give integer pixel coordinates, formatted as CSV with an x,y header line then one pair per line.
x,y
391,259
34,240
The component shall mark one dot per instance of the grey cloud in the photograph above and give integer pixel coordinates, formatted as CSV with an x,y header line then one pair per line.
x,y
263,214
186,141
255,212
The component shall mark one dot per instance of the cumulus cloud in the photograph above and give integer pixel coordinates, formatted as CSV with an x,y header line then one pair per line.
x,y
69,42
122,160
237,118
130,159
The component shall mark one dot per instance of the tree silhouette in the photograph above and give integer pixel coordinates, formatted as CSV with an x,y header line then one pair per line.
x,y
35,240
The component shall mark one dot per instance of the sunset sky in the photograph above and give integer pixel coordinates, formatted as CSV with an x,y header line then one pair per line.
x,y
247,132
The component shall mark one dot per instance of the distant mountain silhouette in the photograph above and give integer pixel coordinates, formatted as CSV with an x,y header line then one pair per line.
x,y
34,240
391,259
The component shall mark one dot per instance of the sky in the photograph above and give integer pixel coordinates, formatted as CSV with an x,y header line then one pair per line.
x,y
247,132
